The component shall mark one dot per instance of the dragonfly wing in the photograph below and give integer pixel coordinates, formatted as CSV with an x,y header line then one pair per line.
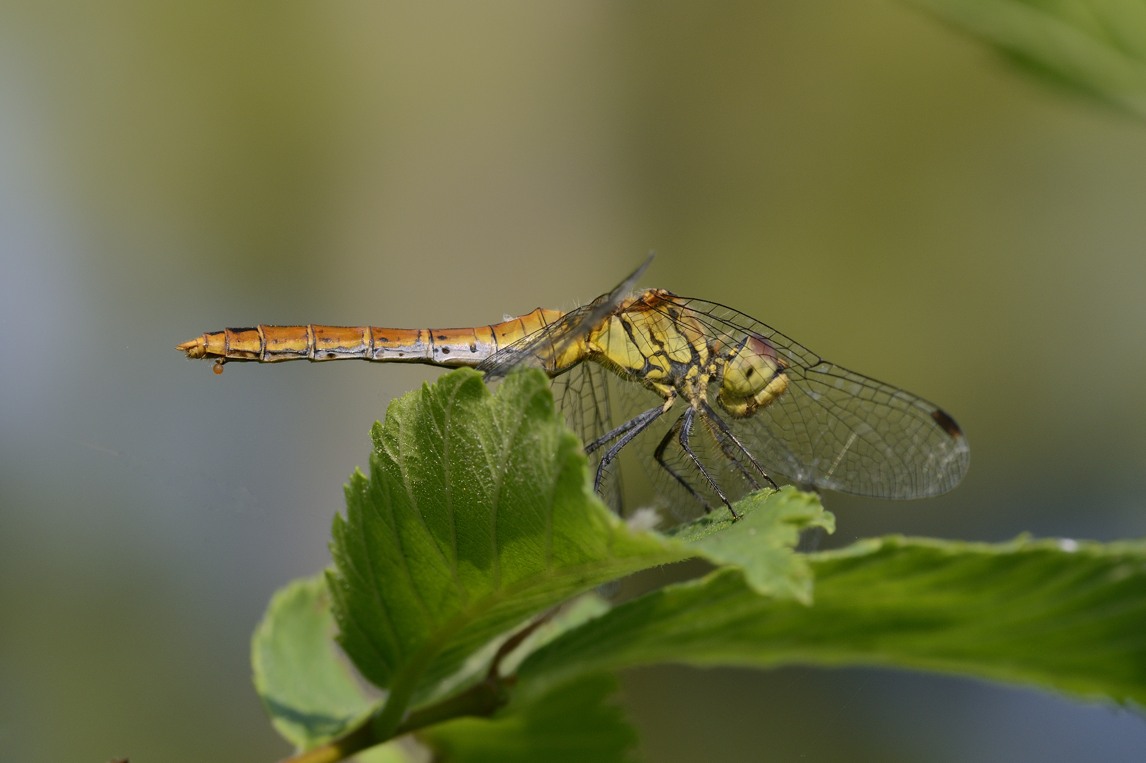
x,y
836,429
582,390
584,396
542,347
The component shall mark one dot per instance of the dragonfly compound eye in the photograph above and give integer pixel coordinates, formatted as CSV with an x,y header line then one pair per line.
x,y
753,377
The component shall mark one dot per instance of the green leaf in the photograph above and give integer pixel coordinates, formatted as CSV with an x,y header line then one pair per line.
x,y
577,723
304,684
391,752
1060,615
568,616
762,544
478,514
1098,48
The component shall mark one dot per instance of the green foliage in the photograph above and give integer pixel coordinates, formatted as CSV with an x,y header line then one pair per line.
x,y
478,519
577,722
477,515
1094,48
1033,612
307,689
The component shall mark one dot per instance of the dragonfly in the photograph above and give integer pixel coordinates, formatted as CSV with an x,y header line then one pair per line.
x,y
725,403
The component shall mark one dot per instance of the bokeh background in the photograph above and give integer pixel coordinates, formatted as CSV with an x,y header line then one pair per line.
x,y
891,193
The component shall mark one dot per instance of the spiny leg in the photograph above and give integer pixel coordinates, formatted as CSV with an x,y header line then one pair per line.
x,y
685,433
730,452
712,417
626,432
637,422
659,455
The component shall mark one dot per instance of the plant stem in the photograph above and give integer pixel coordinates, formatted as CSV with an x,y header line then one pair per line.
x,y
480,700
343,747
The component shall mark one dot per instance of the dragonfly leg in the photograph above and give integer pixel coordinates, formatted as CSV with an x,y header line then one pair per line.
x,y
734,457
726,439
659,454
685,434
626,432
638,422
682,431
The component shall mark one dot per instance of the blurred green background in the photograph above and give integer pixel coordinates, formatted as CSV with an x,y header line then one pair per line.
x,y
856,174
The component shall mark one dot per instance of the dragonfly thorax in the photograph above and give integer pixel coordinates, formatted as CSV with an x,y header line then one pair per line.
x,y
649,340
752,377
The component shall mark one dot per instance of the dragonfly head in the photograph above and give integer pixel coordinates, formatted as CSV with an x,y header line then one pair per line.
x,y
753,376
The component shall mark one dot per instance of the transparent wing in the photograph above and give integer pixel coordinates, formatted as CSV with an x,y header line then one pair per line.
x,y
837,429
581,391
584,396
541,348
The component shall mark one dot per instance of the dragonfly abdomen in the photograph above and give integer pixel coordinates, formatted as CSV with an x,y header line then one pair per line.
x,y
315,342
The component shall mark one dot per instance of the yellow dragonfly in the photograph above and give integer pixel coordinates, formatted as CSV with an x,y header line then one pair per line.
x,y
734,404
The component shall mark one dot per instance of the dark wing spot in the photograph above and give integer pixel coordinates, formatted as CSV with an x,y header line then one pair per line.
x,y
947,424
473,347
441,337
445,350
